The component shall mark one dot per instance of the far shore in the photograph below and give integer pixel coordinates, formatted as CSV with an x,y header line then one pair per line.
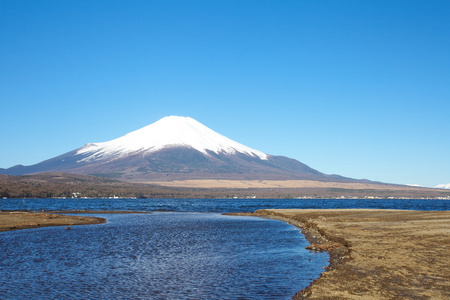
x,y
277,184
375,253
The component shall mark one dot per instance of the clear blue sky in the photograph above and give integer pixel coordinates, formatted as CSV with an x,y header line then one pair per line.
x,y
356,88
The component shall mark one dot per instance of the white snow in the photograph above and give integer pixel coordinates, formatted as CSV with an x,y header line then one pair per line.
x,y
443,186
170,131
415,185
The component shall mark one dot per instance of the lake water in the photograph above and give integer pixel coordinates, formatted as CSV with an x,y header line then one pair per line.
x,y
159,256
189,251
215,205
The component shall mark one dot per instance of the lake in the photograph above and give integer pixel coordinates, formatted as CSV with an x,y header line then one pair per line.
x,y
159,256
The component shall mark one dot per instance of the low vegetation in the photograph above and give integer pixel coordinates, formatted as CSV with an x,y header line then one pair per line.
x,y
55,185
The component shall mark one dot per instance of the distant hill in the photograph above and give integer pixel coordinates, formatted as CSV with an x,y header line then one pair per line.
x,y
443,186
52,185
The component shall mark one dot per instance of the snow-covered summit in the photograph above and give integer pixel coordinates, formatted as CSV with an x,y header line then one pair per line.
x,y
443,186
172,131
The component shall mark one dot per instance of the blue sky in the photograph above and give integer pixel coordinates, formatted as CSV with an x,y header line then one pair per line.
x,y
356,88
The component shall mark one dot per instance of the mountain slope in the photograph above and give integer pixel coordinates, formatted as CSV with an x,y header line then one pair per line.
x,y
174,148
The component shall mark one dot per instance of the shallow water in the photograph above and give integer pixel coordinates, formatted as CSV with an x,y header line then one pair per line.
x,y
159,256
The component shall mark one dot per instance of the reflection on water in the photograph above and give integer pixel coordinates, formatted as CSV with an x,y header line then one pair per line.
x,y
159,256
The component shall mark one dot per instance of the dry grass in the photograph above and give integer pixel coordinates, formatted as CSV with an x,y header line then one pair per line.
x,y
391,254
25,220
249,184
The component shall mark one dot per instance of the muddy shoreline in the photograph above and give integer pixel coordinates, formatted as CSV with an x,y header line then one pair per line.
x,y
337,248
375,254
15,220
78,211
26,219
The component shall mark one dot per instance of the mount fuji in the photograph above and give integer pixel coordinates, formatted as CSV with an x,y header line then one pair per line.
x,y
175,148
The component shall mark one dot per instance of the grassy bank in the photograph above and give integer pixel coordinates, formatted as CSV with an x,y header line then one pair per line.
x,y
376,254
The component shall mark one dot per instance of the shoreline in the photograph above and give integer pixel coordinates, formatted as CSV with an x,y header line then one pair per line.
x,y
17,220
375,253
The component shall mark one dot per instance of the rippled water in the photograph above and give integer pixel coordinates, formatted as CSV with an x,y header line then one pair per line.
x,y
159,256
216,205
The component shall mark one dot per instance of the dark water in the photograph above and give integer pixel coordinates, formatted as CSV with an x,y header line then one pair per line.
x,y
216,205
158,256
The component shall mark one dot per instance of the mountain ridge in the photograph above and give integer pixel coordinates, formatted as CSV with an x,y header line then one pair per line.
x,y
175,148
443,186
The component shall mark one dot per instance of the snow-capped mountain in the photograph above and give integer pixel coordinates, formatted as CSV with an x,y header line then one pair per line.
x,y
443,186
169,132
174,148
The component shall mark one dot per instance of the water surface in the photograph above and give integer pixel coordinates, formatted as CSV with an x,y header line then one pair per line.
x,y
159,256
216,205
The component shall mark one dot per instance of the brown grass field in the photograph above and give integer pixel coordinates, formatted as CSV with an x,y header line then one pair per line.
x,y
25,220
53,185
376,254
275,184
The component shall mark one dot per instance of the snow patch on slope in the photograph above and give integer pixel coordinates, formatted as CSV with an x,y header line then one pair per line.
x,y
443,186
173,131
